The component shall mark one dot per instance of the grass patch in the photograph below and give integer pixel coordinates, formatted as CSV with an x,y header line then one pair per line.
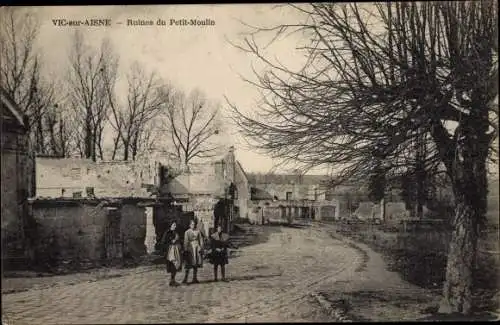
x,y
420,258
376,305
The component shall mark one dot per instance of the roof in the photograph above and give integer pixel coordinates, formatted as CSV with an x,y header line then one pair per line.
x,y
12,107
258,194
242,170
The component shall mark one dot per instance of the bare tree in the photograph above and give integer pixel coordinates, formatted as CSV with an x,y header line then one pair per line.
x,y
192,122
131,119
377,78
21,72
59,133
88,73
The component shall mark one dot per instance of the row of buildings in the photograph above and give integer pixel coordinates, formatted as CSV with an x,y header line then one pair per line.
x,y
76,210
73,209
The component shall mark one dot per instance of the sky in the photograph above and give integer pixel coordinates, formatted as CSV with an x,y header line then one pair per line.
x,y
188,56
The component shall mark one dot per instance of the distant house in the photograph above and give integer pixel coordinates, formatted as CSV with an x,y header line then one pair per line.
x,y
17,181
258,194
291,187
312,196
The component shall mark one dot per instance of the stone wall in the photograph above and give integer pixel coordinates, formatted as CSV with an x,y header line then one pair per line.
x,y
17,185
11,221
61,177
273,213
68,231
263,211
73,231
279,211
200,179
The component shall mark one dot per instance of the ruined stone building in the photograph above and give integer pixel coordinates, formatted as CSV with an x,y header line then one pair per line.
x,y
205,185
291,187
112,210
288,196
281,197
76,177
17,181
94,211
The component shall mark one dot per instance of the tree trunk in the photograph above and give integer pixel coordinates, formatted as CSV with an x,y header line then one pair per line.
x,y
382,209
99,141
457,291
126,149
94,148
420,192
101,151
39,135
135,145
420,175
88,140
62,138
468,171
95,143
53,142
116,143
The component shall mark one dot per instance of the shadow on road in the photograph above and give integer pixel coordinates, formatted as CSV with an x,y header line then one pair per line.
x,y
299,226
243,278
287,225
253,277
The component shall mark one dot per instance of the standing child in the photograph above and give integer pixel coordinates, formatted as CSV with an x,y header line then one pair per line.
x,y
193,247
171,241
219,254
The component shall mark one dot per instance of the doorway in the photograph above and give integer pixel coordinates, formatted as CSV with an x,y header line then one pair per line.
x,y
112,235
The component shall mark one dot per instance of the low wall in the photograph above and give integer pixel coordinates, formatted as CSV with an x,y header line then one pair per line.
x,y
73,231
263,211
273,213
328,212
394,212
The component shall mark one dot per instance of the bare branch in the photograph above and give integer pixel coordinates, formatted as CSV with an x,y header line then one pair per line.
x,y
192,122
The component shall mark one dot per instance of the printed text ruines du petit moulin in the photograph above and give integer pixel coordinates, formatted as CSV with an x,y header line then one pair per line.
x,y
171,22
